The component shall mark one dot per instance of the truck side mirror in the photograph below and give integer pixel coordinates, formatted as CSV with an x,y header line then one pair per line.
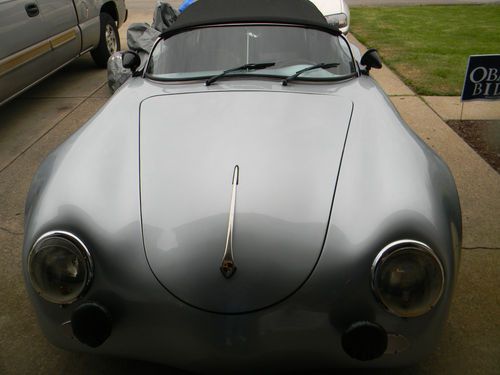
x,y
131,60
371,59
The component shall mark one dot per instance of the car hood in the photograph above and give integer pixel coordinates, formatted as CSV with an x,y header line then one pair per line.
x,y
288,147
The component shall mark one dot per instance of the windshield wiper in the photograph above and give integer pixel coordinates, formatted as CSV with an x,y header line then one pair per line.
x,y
250,66
312,67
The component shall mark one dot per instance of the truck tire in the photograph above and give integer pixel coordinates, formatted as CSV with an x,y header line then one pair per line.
x,y
109,41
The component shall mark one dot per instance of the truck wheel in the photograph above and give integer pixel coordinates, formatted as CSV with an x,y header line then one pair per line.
x,y
109,41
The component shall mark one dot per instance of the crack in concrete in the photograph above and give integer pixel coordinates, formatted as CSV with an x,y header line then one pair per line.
x,y
11,232
481,248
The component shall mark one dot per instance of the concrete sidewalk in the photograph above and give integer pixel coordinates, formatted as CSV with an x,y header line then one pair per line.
x,y
451,108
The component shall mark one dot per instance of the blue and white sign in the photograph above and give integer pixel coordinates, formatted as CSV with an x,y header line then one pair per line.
x,y
482,80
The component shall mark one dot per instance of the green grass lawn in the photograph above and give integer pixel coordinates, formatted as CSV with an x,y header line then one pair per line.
x,y
428,46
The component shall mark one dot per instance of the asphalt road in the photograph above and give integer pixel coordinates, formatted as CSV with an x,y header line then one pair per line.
x,y
35,123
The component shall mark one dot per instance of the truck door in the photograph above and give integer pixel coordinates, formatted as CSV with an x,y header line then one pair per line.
x,y
23,44
61,27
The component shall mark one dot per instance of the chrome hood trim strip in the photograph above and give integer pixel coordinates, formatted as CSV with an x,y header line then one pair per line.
x,y
228,266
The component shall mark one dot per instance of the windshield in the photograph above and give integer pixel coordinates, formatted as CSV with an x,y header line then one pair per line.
x,y
205,52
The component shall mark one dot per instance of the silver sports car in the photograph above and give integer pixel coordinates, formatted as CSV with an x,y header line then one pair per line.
x,y
249,199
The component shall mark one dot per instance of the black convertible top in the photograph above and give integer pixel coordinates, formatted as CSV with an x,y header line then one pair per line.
x,y
214,12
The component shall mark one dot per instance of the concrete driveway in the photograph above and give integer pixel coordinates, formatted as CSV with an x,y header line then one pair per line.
x,y
35,123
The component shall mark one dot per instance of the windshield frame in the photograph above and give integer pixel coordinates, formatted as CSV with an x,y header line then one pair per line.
x,y
332,32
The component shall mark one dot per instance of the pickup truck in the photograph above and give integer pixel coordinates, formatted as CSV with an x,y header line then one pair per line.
x,y
38,37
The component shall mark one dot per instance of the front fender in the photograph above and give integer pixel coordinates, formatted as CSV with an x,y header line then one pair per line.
x,y
391,187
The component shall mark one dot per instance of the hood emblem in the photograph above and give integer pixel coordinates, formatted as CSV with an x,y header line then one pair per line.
x,y
228,267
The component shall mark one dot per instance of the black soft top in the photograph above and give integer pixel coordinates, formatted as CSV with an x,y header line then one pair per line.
x,y
214,12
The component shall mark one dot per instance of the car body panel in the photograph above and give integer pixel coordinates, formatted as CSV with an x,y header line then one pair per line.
x,y
88,20
319,177
81,188
288,162
61,24
58,16
90,32
13,21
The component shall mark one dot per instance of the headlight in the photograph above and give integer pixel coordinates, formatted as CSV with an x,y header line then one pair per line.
x,y
408,278
337,20
60,267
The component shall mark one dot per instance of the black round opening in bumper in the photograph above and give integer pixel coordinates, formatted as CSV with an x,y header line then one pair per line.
x,y
364,341
91,324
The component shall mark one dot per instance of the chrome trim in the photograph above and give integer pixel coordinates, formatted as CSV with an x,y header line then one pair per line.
x,y
111,40
80,246
354,61
393,248
85,51
67,328
228,267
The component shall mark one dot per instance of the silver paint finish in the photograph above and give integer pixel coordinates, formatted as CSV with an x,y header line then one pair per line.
x,y
13,22
58,16
291,158
390,186
90,30
87,9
